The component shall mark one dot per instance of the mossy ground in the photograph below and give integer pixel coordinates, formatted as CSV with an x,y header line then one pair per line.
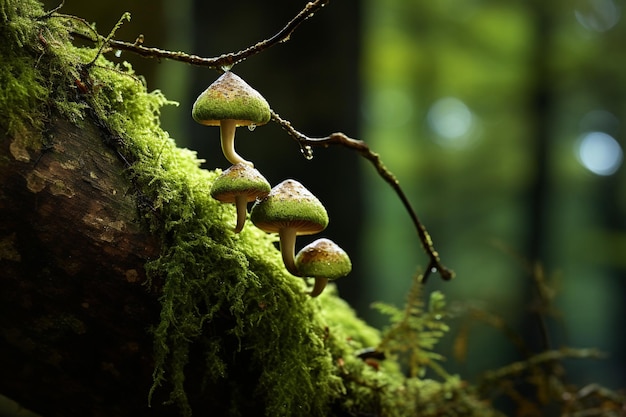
x,y
225,295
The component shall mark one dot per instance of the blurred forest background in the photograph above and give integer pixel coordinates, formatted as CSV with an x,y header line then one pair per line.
x,y
502,120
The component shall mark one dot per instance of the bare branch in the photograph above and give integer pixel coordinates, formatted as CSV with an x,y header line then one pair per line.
x,y
222,61
306,143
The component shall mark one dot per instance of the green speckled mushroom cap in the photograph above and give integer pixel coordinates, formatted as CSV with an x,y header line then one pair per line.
x,y
323,258
230,98
289,204
240,179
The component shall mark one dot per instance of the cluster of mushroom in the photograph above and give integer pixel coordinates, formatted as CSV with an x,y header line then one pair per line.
x,y
288,209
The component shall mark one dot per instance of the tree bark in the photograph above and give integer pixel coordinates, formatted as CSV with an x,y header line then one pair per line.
x,y
73,310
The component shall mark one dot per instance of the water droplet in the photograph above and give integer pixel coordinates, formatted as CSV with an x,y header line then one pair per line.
x,y
307,151
251,127
118,53
227,67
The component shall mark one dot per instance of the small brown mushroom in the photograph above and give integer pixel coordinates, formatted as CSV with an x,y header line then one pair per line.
x,y
240,184
289,210
230,102
323,260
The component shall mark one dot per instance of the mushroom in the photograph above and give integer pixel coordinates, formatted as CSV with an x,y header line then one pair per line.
x,y
240,184
228,103
323,260
289,210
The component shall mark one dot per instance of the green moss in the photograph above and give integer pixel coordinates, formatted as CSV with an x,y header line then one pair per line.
x,y
22,92
227,303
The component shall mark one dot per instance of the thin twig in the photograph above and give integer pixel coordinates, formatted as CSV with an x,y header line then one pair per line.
x,y
306,143
51,12
222,61
125,17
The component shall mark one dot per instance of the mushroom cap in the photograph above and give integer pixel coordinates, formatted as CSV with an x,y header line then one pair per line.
x,y
230,98
323,258
240,179
289,205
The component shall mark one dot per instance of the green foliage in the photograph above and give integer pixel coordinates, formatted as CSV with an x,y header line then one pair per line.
x,y
22,89
415,330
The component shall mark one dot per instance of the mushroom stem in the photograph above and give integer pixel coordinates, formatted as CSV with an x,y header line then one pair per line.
x,y
227,137
318,287
287,237
241,203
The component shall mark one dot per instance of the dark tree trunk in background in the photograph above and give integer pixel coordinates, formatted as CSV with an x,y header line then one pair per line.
x,y
540,106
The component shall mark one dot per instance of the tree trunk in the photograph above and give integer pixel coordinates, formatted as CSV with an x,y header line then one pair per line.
x,y
72,306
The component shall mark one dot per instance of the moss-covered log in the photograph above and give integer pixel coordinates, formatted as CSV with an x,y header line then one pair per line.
x,y
73,312
124,290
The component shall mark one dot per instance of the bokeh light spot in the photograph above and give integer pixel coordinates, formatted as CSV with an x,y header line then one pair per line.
x,y
600,153
451,120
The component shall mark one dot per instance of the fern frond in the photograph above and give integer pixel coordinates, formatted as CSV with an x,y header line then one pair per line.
x,y
415,331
